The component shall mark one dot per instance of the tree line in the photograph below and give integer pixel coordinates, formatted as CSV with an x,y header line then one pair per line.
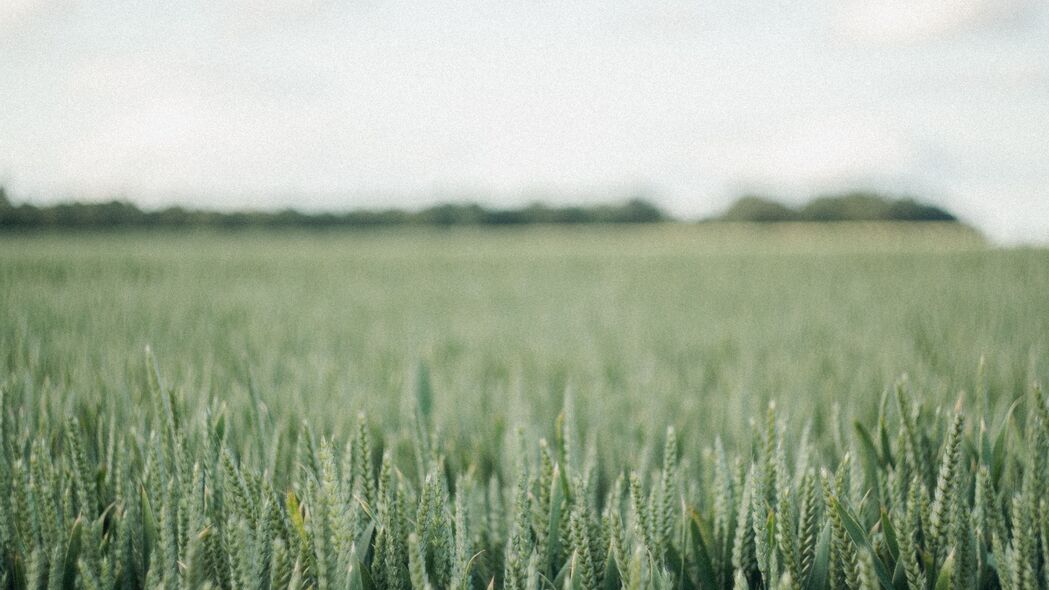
x,y
123,214
118,214
852,206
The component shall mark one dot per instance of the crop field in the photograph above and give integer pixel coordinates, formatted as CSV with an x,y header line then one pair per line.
x,y
671,406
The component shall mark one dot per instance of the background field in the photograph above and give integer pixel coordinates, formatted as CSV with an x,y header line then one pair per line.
x,y
695,327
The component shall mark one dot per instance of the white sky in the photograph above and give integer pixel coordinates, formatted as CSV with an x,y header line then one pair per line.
x,y
340,104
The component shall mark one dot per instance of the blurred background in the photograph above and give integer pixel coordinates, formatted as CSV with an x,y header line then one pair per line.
x,y
682,105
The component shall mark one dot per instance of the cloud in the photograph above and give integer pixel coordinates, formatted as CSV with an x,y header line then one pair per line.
x,y
14,13
823,152
914,22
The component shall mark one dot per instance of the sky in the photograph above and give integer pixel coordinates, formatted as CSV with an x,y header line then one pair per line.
x,y
372,103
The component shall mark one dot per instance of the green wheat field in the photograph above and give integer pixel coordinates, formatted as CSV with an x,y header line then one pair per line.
x,y
673,406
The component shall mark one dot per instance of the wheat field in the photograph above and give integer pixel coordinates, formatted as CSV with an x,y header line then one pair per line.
x,y
676,406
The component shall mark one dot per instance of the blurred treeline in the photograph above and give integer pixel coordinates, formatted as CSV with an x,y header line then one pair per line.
x,y
853,206
122,214
118,214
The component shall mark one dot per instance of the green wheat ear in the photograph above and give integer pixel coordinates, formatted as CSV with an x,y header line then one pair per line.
x,y
945,483
417,564
908,541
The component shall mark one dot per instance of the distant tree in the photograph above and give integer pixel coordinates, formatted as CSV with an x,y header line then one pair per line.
x,y
852,206
909,210
848,207
170,217
365,218
865,206
448,214
639,210
636,210
758,209
7,209
540,213
571,215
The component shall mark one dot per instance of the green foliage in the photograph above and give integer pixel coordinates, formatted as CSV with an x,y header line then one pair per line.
x,y
853,206
120,214
237,535
187,471
759,210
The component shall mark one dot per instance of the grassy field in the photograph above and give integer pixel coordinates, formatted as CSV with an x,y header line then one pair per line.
x,y
582,408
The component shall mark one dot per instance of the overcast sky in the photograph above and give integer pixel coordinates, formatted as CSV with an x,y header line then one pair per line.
x,y
268,103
